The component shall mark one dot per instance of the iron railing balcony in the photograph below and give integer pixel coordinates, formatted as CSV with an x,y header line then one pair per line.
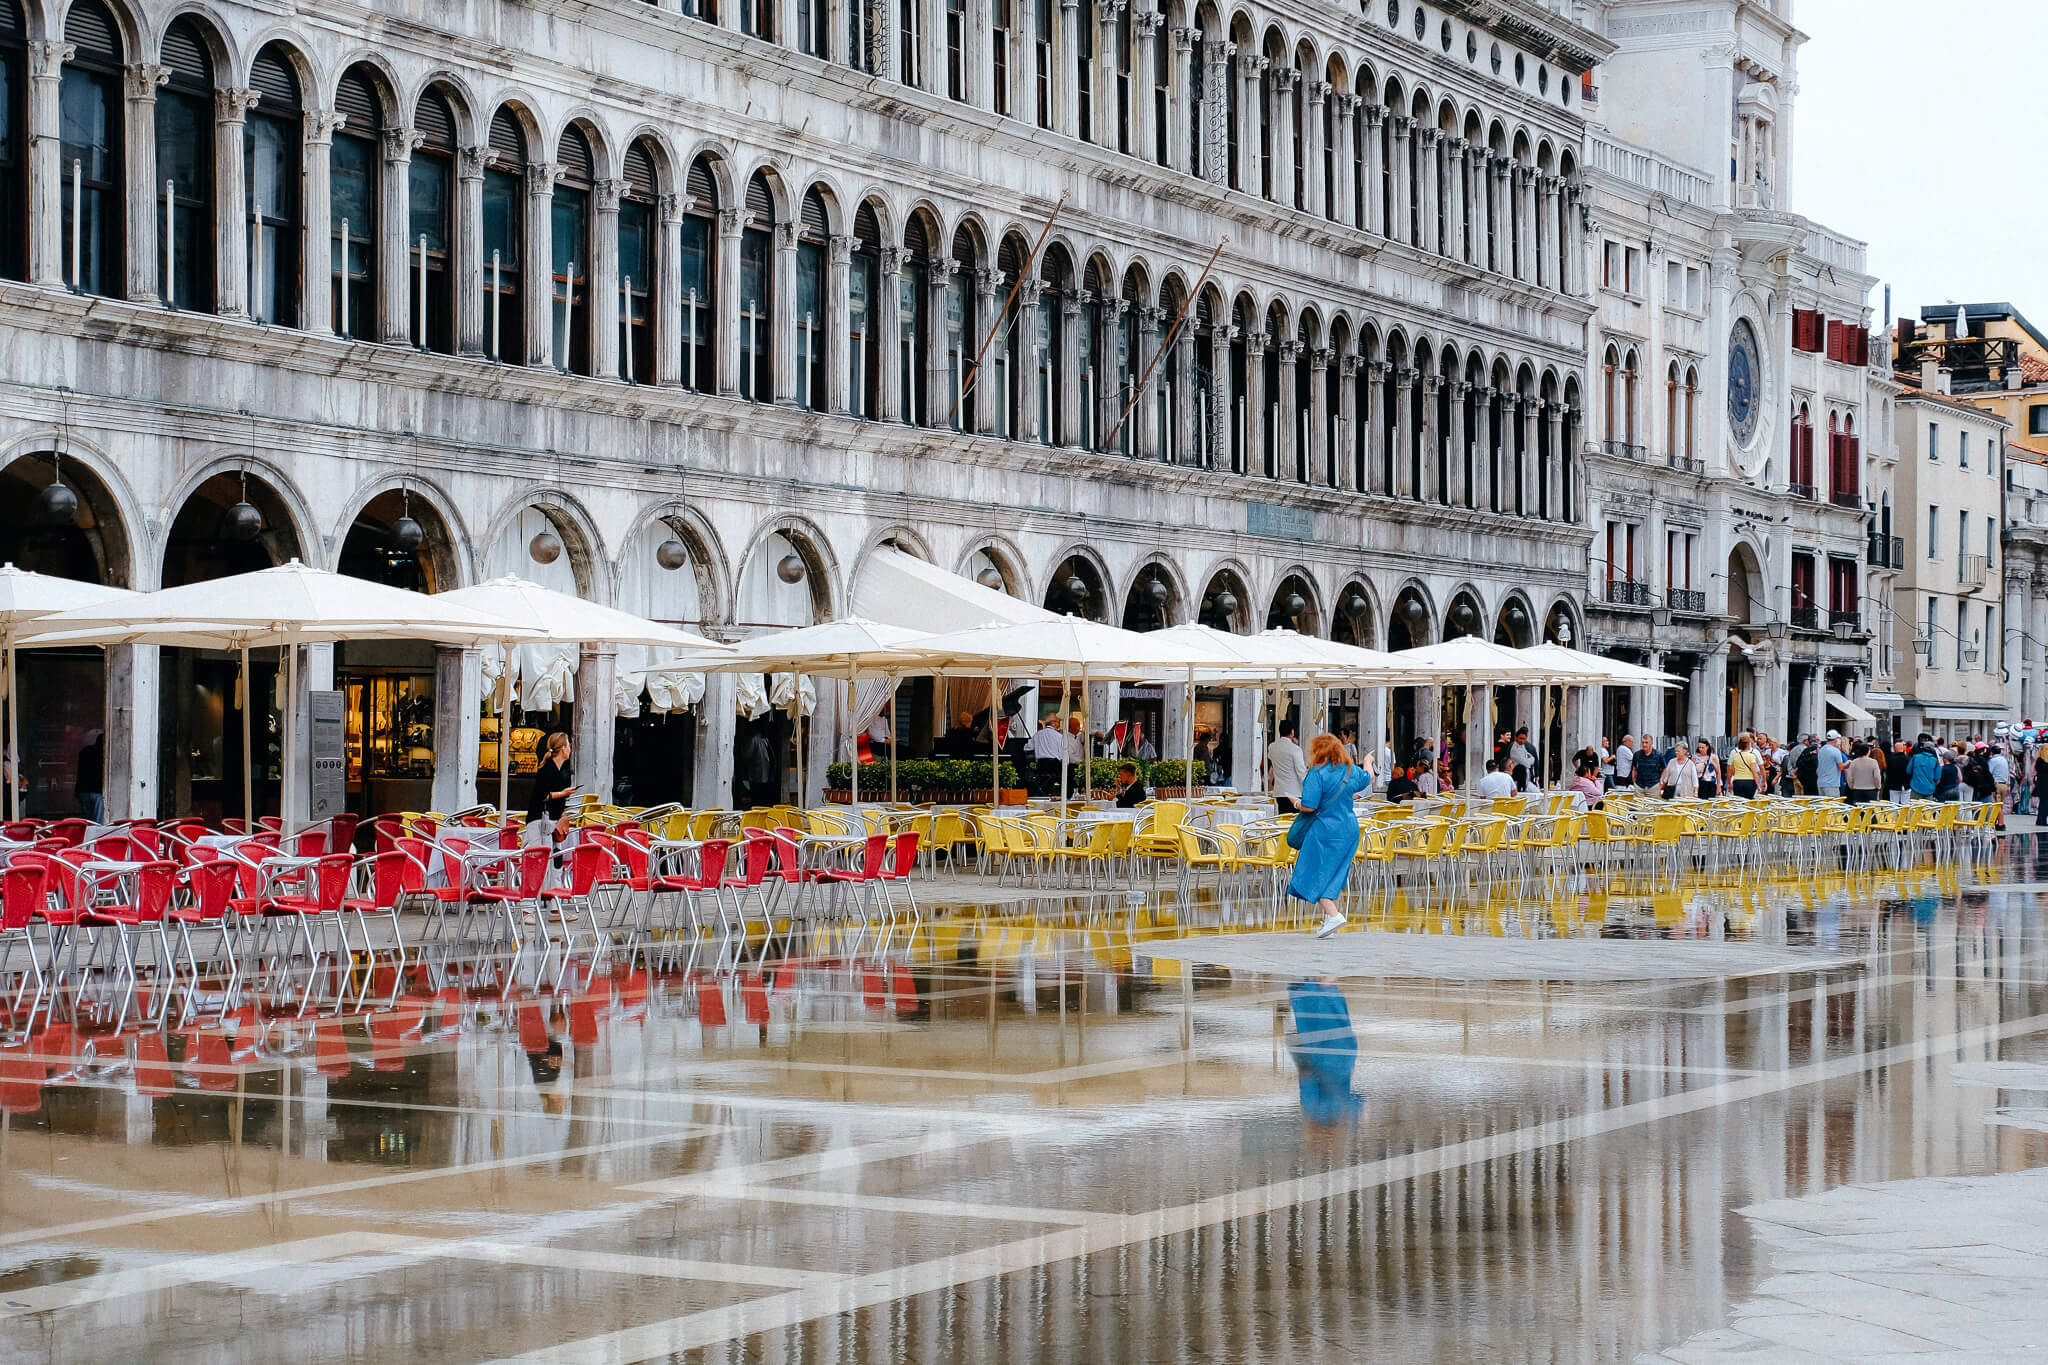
x,y
1806,618
1846,497
1626,592
1623,449
1853,620
1689,600
1803,490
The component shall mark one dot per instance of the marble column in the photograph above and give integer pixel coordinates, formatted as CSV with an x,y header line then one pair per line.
x,y
1256,418
1220,416
1344,190
468,250
596,720
1315,184
1526,235
730,229
1711,691
1486,462
1525,455
1216,132
458,701
1069,384
603,299
1066,54
1401,229
1458,492
1183,409
131,738
1144,64
1456,181
1180,109
1502,258
1025,421
1287,415
838,308
885,347
1426,142
394,280
1375,171
1250,109
711,784
1546,237
989,394
940,390
537,271
48,264
1144,418
317,278
1378,443
1103,110
782,326
1285,78
1346,455
1404,434
1553,491
231,213
139,182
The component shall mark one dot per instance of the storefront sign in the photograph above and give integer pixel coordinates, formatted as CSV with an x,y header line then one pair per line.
x,y
328,795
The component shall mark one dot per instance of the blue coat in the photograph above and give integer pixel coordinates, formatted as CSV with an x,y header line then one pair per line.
x,y
1322,866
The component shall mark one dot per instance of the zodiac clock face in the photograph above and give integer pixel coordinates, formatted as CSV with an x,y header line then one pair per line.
x,y
1745,378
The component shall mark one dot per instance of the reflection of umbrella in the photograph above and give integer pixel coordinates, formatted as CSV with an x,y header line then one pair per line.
x,y
26,597
284,606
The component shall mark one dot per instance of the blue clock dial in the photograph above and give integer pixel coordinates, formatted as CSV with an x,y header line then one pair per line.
x,y
1745,375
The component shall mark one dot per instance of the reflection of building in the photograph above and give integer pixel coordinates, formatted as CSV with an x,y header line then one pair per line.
x,y
1730,490
1990,357
1950,595
690,316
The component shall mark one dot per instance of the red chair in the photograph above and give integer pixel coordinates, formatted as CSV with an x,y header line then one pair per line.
x,y
902,862
71,830
21,897
505,897
756,854
136,919
858,880
591,868
317,904
210,888
709,876
387,878
21,831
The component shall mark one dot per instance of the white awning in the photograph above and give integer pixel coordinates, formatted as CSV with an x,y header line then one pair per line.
x,y
1838,702
897,589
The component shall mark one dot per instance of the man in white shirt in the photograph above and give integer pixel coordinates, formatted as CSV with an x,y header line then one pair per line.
x,y
1495,784
1045,748
1286,766
1624,768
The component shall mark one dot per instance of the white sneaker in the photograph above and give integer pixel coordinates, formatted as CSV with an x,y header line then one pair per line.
x,y
1330,925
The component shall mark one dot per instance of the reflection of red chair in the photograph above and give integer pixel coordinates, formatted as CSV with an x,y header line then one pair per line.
x,y
710,1003
21,1082
214,1066
533,1026
330,1048
153,1075
754,998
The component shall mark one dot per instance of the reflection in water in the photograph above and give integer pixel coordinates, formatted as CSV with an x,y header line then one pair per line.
x,y
1040,1142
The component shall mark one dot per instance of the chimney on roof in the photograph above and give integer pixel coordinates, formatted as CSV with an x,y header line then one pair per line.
x,y
1931,377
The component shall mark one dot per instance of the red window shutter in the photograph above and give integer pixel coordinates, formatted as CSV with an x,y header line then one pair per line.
x,y
1862,348
1805,329
1834,349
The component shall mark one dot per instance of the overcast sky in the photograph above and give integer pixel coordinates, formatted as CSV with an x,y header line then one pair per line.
x,y
1912,133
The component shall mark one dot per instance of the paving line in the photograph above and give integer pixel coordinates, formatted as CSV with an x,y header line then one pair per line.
x,y
774,1311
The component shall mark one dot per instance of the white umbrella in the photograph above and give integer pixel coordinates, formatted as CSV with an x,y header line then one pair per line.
x,y
285,606
552,617
1612,671
1474,662
27,597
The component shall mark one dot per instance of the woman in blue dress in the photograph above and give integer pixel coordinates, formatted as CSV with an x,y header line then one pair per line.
x,y
1322,865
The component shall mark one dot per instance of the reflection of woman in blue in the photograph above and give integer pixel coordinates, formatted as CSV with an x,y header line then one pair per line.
x,y
1325,1051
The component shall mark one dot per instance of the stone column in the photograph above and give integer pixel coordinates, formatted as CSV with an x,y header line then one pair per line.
x,y
1404,434
1251,101
941,393
1343,201
727,321
231,216
1553,491
1546,238
838,303
1066,86
603,299
1246,739
537,271
1478,734
932,34
47,263
1315,186
1711,689
980,39
1427,143
1458,493
837,28
316,276
1319,471
1221,418
1502,257
1285,78
711,785
1183,409
1025,421
886,348
1430,487
1255,343
1377,442
988,397
1144,33
1181,108
458,702
1525,490
131,738
596,719
1404,227
394,280
1486,464
1346,456
1109,395
141,185
1456,181
1144,418
668,303
1375,172
1103,111
1574,254
782,326
1525,222
1068,386
1287,414
466,255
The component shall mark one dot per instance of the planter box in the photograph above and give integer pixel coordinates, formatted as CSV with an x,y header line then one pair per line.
x,y
1014,796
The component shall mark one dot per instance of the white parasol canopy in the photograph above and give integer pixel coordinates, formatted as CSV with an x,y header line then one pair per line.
x,y
1613,672
847,648
1469,661
27,597
287,605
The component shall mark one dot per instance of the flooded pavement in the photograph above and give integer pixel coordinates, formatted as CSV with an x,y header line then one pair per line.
x,y
1030,1135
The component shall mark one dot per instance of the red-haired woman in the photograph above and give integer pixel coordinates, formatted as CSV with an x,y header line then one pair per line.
x,y
1322,865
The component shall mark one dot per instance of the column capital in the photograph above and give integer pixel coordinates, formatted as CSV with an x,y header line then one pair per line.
x,y
1117,307
1319,91
1285,78
399,144
46,59
1379,370
1319,358
1225,332
1426,137
1460,146
1459,388
1347,105
1405,377
839,249
1147,21
1227,48
471,162
987,279
1256,65
1070,303
540,179
672,208
1108,10
892,260
1402,124
1184,38
1347,365
785,236
233,106
142,79
1290,350
1151,317
1375,112
1255,343
730,222
605,196
1430,384
1029,292
320,126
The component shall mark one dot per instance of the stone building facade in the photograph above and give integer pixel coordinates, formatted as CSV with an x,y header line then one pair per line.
x,y
1280,308
1738,472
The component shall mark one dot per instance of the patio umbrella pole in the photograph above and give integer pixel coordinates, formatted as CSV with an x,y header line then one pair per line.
x,y
291,734
850,694
505,734
1067,707
891,727
248,755
13,797
995,743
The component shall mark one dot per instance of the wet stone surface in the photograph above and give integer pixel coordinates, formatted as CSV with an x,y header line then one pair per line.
x,y
1033,1135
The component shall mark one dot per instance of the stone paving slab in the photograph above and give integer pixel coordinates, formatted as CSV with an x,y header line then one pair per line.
x,y
1962,1275
1452,957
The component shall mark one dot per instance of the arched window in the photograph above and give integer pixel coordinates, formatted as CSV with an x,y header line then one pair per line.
x,y
353,167
962,335
184,166
1608,410
1630,375
699,279
1692,405
91,148
863,312
1049,384
812,319
13,142
569,221
638,266
272,158
757,293
913,323
1672,433
430,235
504,230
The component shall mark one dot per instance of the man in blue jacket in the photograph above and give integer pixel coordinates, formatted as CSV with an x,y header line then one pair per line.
x,y
1650,764
1924,771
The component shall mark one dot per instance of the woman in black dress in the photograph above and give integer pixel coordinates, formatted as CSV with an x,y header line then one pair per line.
x,y
552,787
